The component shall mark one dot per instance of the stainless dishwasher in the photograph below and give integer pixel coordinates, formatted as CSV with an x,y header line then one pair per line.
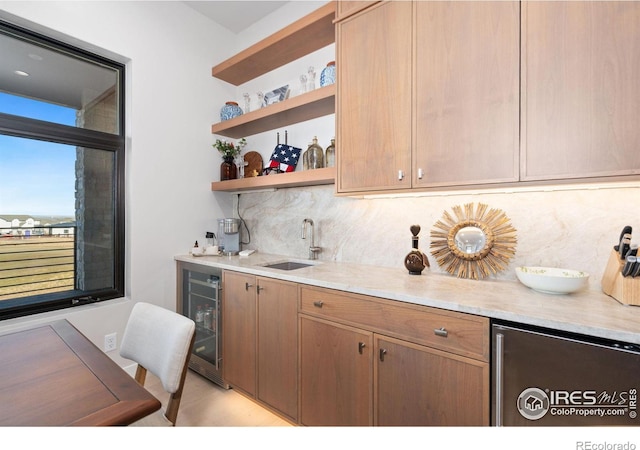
x,y
545,378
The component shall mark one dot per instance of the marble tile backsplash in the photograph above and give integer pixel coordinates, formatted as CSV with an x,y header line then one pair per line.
x,y
573,229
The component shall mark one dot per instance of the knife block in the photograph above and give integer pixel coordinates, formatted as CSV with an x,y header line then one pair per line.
x,y
624,289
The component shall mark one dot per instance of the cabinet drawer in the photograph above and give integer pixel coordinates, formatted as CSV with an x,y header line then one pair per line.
x,y
458,333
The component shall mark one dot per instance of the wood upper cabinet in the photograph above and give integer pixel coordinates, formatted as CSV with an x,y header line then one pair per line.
x,y
239,330
580,89
260,336
373,105
466,93
428,95
345,8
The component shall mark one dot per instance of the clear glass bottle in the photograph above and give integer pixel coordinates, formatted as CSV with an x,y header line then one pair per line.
x,y
199,316
330,154
313,158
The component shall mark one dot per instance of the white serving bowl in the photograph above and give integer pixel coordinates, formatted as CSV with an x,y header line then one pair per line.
x,y
552,280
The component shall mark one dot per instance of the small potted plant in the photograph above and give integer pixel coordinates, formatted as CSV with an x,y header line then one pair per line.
x,y
228,151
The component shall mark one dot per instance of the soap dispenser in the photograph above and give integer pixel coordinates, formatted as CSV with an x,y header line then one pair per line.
x,y
415,261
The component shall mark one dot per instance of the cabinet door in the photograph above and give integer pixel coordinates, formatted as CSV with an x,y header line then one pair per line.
x,y
466,93
345,8
278,345
335,374
581,95
239,330
420,386
373,105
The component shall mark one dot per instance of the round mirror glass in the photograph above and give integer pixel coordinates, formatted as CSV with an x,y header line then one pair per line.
x,y
470,240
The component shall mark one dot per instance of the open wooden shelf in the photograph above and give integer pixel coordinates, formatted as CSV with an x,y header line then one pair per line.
x,y
282,180
306,35
317,103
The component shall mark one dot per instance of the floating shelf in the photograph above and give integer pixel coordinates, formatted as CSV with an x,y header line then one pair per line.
x,y
306,35
283,180
311,105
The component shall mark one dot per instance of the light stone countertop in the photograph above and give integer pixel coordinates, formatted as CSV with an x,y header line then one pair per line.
x,y
586,312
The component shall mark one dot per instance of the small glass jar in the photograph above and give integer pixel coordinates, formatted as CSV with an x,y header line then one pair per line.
x,y
313,157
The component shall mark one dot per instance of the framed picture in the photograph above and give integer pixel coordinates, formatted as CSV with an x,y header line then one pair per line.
x,y
275,96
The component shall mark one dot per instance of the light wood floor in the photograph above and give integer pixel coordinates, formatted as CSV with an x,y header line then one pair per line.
x,y
205,404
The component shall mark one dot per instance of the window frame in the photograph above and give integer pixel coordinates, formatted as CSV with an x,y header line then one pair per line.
x,y
24,127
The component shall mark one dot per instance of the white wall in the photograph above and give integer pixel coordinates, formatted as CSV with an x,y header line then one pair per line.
x,y
172,100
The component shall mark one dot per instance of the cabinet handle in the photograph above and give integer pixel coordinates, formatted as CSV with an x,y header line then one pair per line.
x,y
400,175
498,377
259,288
361,346
318,304
420,173
441,332
247,286
382,353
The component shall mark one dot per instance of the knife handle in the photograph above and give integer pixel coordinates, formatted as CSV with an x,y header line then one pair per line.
x,y
636,270
625,245
626,230
629,266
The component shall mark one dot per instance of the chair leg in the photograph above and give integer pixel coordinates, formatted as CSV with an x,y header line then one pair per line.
x,y
173,404
141,375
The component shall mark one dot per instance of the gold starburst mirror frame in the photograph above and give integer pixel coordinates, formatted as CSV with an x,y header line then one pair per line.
x,y
475,243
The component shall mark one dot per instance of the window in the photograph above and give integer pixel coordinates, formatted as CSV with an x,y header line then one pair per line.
x,y
62,175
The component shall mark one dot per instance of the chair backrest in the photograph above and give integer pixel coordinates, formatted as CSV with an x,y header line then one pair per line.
x,y
160,341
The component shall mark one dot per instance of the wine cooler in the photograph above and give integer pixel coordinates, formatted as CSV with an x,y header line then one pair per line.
x,y
199,289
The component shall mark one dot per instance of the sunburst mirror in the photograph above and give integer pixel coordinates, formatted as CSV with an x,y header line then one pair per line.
x,y
474,242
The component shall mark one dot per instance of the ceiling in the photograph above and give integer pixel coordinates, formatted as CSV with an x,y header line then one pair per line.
x,y
237,15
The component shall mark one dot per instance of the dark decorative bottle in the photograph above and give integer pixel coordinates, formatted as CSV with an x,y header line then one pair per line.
x,y
415,261
228,170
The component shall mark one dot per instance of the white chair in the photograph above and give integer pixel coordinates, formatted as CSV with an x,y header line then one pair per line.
x,y
160,341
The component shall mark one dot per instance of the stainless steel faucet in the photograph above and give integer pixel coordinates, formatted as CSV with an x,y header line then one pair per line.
x,y
313,250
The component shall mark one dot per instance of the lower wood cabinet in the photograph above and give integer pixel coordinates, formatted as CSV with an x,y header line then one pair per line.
x,y
335,374
260,340
321,357
419,386
359,373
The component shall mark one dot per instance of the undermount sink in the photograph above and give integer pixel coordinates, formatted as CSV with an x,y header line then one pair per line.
x,y
287,265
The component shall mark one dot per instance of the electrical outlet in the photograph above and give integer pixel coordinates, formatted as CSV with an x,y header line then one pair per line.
x,y
110,342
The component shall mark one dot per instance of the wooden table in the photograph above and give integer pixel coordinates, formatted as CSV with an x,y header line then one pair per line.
x,y
53,375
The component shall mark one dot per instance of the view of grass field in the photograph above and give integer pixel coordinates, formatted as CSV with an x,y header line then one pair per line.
x,y
35,265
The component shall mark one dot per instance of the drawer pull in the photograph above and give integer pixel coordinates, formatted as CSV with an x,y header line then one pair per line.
x,y
382,353
259,288
318,304
441,332
361,346
247,286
